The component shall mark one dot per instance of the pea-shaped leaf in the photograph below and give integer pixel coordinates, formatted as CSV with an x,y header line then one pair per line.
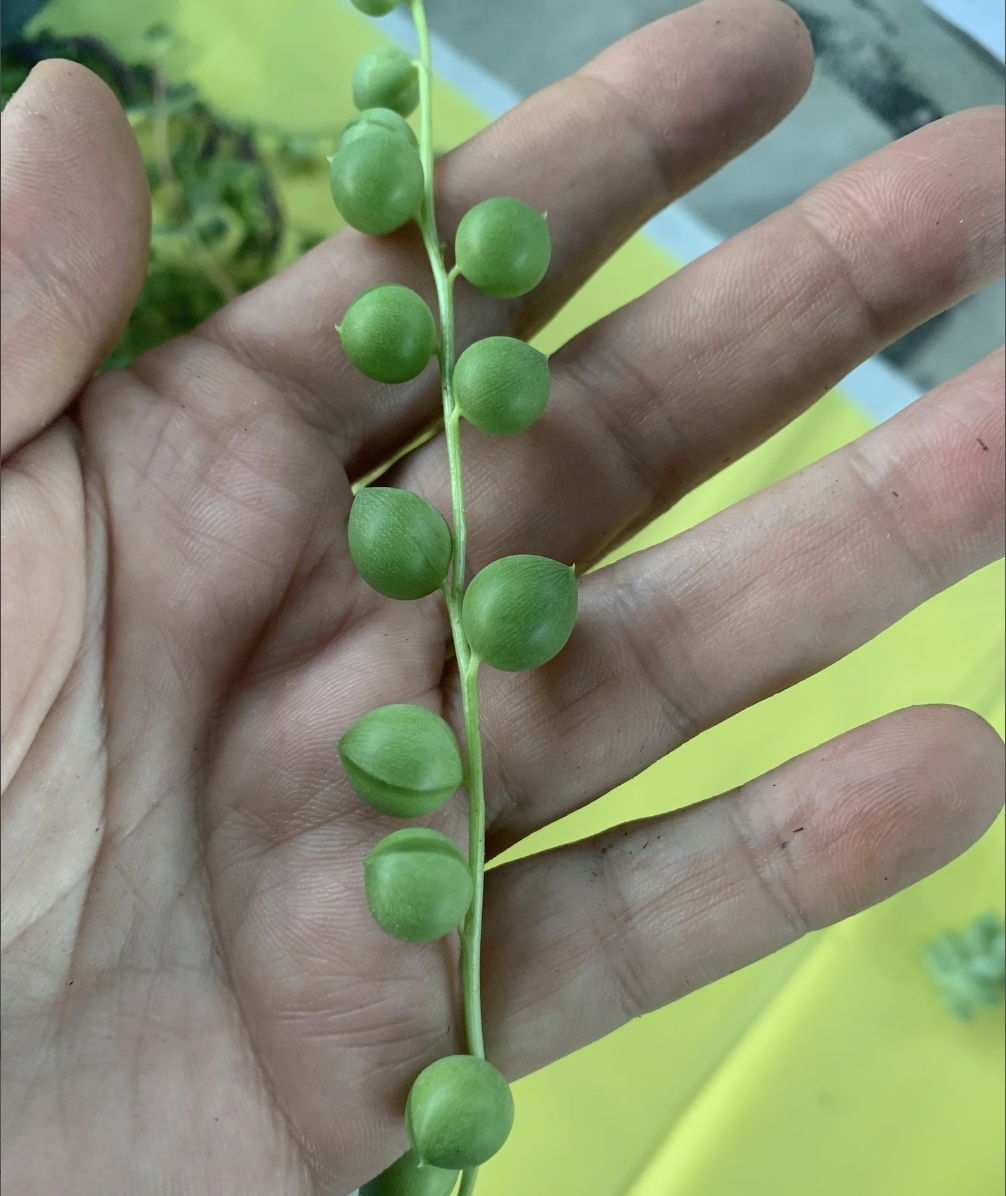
x,y
402,760
377,182
519,611
459,1112
400,543
406,1177
419,885
381,120
376,8
501,385
389,334
386,77
503,247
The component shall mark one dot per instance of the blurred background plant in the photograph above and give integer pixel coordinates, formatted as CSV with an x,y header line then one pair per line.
x,y
969,967
219,226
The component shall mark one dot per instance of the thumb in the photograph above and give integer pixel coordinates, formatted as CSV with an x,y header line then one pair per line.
x,y
76,233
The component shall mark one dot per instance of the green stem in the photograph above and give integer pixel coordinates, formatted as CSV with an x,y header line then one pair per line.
x,y
468,663
468,1181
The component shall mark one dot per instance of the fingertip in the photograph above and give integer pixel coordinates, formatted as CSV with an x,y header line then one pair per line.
x,y
743,64
970,751
918,788
76,237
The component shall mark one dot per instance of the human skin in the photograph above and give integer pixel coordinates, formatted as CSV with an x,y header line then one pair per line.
x,y
195,997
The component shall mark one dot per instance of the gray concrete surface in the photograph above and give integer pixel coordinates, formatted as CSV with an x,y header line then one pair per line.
x,y
885,67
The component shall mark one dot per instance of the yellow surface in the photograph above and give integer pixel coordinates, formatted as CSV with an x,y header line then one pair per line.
x,y
830,1069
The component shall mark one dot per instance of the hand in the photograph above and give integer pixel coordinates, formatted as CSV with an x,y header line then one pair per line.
x,y
195,995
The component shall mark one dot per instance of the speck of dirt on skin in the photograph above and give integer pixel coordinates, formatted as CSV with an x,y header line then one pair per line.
x,y
797,830
784,843
985,447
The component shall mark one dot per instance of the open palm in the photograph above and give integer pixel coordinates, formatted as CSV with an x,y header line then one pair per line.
x,y
195,996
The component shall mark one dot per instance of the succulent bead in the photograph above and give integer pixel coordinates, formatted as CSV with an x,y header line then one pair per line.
x,y
389,334
503,247
418,884
519,611
459,1112
402,760
386,77
405,1177
377,182
376,8
501,385
380,120
400,543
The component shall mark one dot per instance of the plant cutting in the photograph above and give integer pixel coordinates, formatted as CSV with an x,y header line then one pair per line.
x,y
515,614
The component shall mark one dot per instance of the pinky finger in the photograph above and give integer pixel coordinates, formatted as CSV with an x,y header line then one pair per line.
x,y
582,939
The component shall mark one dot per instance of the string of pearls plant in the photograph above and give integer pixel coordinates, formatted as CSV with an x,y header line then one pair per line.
x,y
515,614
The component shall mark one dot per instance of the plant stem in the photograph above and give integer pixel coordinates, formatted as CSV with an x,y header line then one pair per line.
x,y
468,663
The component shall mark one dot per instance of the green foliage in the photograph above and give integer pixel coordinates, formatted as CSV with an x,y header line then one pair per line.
x,y
378,119
406,1177
503,247
400,543
375,8
402,760
519,611
218,227
386,77
377,182
418,885
388,333
969,967
501,385
516,614
459,1112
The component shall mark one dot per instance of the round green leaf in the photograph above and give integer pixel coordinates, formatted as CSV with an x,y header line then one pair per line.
x,y
380,120
376,8
402,760
406,1178
419,885
400,543
386,77
389,334
501,385
519,611
503,247
459,1112
377,182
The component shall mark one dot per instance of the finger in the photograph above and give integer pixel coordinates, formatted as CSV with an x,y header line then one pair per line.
x,y
601,152
659,396
76,228
43,579
675,639
580,940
